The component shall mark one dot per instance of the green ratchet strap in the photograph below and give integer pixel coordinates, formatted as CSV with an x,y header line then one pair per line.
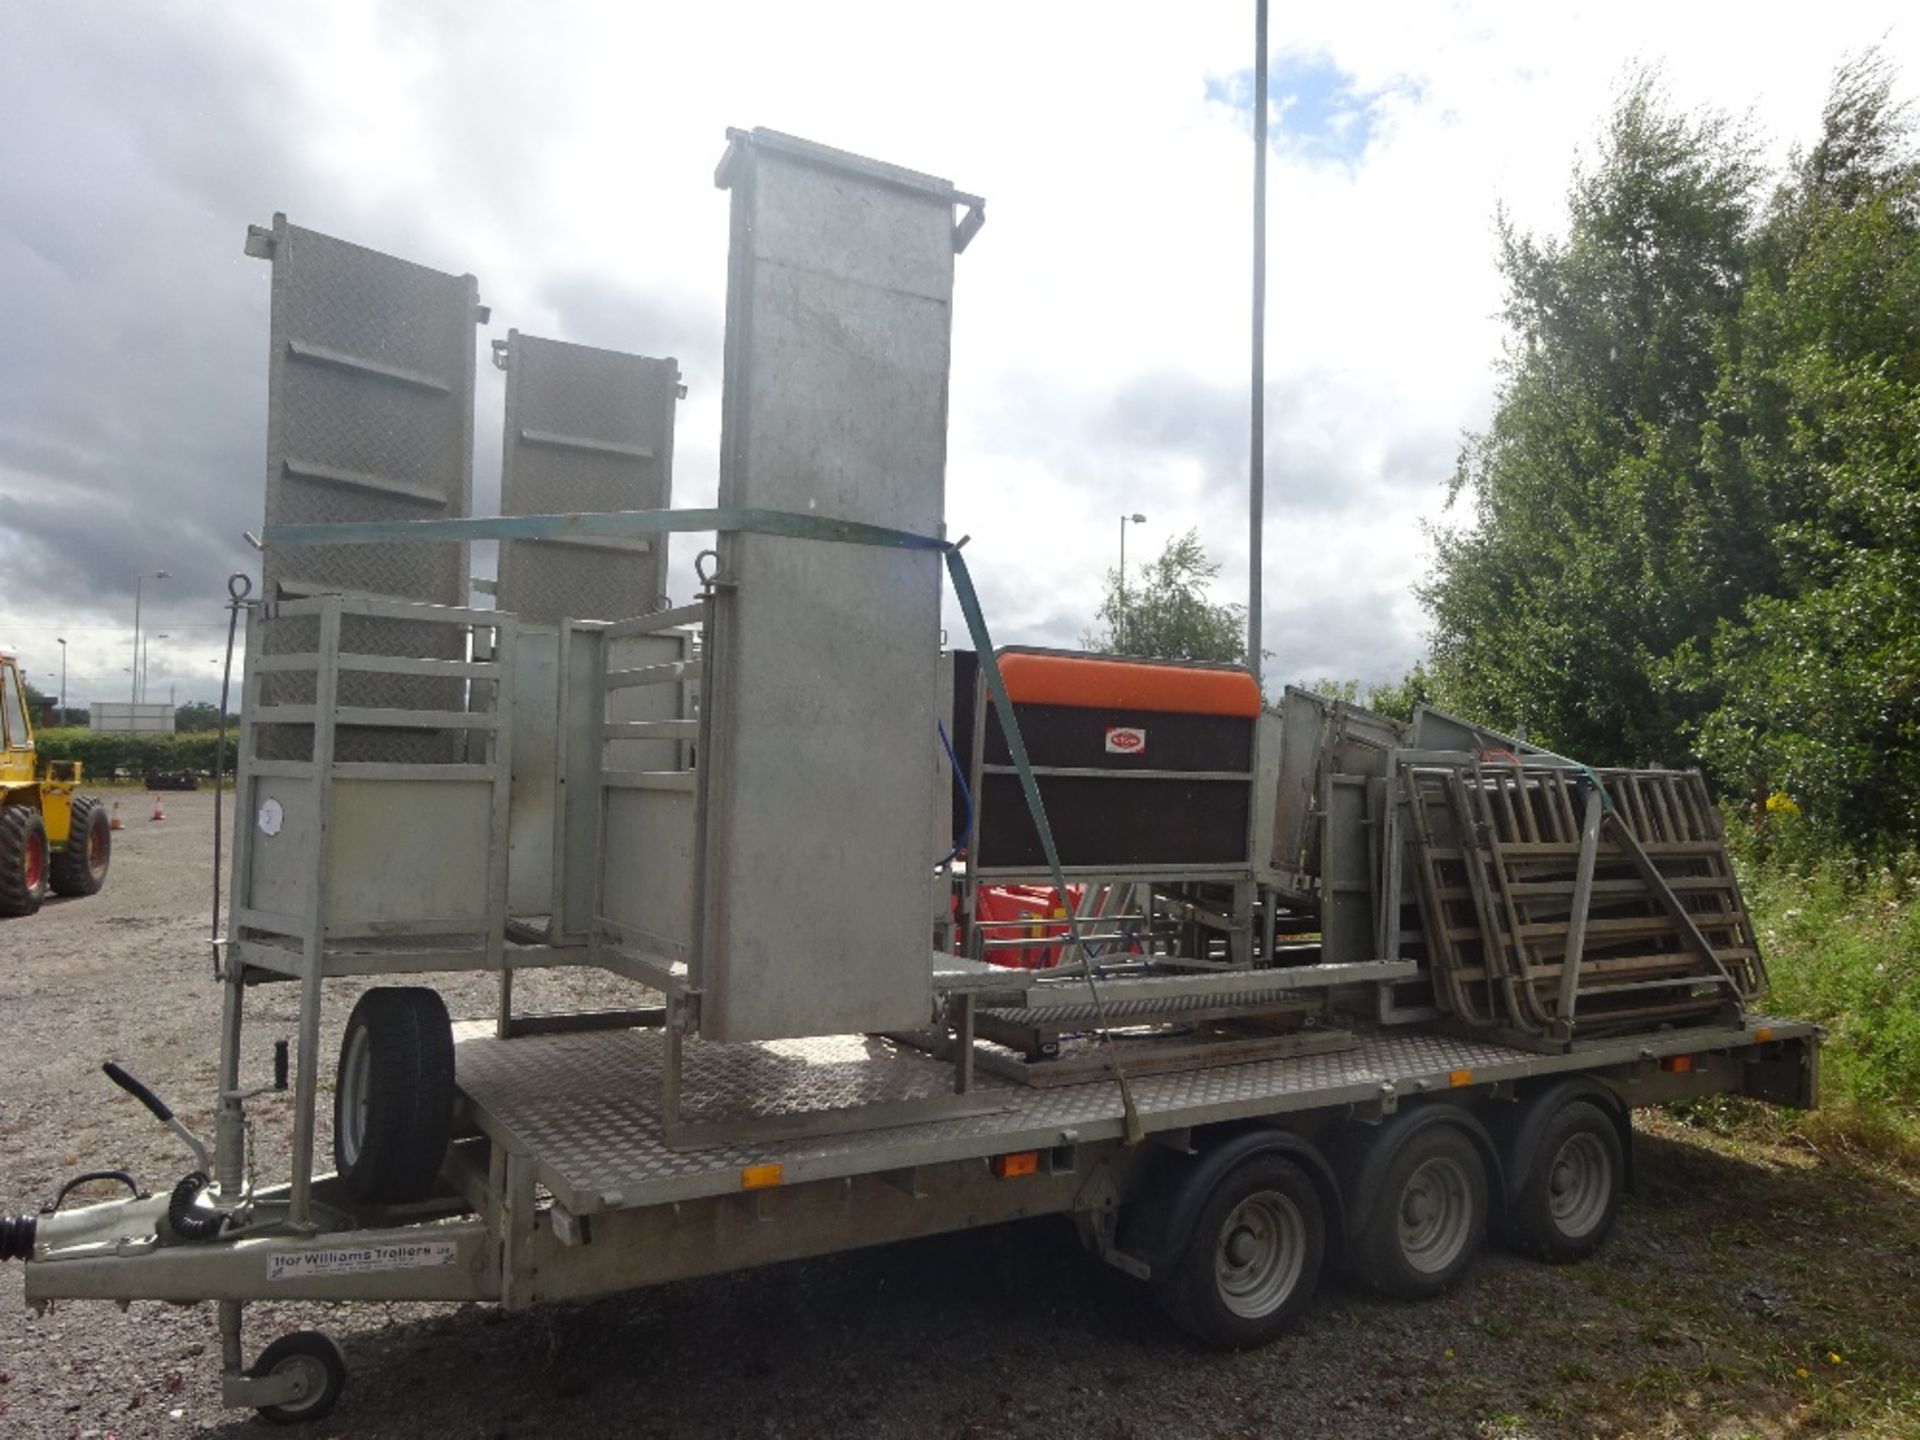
x,y
793,526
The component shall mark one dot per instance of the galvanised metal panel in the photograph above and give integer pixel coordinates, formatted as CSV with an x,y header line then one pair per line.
x,y
369,417
537,788
586,430
822,662
586,1106
369,410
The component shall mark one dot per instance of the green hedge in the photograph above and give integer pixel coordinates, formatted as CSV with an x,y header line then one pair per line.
x,y
102,755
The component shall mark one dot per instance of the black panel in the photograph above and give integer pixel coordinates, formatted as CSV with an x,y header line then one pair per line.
x,y
1116,821
1069,735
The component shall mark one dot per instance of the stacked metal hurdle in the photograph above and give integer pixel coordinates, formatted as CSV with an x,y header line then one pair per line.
x,y
1559,901
1544,900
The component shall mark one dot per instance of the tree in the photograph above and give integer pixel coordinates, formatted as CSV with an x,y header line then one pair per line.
x,y
1398,699
196,715
1695,517
1814,686
1598,542
1165,612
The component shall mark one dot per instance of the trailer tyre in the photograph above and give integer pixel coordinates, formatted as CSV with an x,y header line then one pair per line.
x,y
1426,1216
393,1095
1252,1260
80,866
1570,1194
312,1359
23,860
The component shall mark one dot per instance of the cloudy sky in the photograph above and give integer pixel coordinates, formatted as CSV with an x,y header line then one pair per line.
x,y
564,153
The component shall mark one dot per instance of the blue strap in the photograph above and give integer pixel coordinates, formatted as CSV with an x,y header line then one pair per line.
x,y
794,526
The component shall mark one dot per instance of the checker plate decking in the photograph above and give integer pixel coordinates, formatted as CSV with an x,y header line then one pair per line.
x,y
587,1106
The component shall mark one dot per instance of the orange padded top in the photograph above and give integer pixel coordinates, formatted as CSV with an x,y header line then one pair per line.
x,y
1097,683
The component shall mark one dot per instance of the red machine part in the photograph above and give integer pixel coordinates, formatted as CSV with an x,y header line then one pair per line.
x,y
998,908
1029,912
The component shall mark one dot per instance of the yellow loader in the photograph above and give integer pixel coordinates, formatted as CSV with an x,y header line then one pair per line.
x,y
49,836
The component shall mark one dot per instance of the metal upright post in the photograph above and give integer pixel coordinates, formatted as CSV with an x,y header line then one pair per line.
x,y
505,635
314,942
229,1151
1256,459
1582,902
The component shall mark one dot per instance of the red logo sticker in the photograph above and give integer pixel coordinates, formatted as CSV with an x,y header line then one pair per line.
x,y
1125,740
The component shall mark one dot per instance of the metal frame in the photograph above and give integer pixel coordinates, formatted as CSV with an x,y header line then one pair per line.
x,y
308,947
628,1210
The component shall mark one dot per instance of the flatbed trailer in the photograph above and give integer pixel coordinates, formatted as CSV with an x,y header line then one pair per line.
x,y
565,1188
1309,985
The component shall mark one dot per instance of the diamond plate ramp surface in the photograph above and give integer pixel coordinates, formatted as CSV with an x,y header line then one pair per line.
x,y
369,417
586,430
586,1106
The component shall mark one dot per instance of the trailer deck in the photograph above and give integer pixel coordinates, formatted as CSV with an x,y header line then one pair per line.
x,y
585,1107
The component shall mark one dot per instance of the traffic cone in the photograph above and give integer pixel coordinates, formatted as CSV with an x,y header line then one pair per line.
x,y
158,813
113,818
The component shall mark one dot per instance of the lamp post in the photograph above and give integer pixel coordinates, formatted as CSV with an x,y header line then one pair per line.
x,y
138,581
63,681
146,653
1257,437
1126,520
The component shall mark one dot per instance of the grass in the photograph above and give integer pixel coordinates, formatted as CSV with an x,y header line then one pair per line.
x,y
1842,947
1757,1288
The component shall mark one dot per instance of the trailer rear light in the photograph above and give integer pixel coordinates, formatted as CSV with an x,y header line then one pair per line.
x,y
1020,1162
760,1177
1763,1034
1457,1078
1677,1064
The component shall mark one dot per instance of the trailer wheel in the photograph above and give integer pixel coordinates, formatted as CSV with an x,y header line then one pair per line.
x,y
315,1362
1426,1217
80,866
1252,1260
393,1095
23,860
1570,1193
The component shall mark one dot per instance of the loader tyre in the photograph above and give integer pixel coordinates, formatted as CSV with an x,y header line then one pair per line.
x,y
393,1095
23,860
80,866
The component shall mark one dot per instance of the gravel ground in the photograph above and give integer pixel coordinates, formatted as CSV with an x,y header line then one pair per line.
x,y
1750,1289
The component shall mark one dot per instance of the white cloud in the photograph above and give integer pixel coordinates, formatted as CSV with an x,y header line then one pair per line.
x,y
564,154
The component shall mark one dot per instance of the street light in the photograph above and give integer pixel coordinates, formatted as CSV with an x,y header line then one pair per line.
x,y
145,654
138,581
1126,520
63,681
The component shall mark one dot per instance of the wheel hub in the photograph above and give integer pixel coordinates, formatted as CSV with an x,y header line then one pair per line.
x,y
1260,1254
1436,1215
36,861
1579,1185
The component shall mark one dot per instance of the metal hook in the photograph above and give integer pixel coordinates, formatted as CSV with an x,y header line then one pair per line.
x,y
239,586
707,577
